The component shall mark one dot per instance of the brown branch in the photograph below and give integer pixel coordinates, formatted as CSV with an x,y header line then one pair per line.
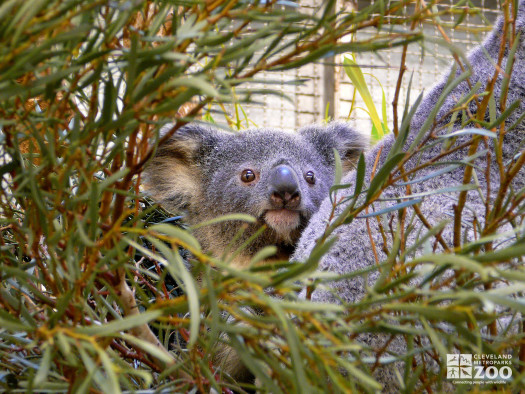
x,y
402,69
482,107
129,305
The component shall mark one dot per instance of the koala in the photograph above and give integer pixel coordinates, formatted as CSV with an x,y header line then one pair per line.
x,y
279,178
352,251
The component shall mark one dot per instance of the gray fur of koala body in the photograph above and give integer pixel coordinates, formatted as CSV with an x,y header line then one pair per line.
x,y
200,171
352,251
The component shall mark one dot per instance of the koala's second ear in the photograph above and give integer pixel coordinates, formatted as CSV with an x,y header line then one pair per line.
x,y
348,142
173,176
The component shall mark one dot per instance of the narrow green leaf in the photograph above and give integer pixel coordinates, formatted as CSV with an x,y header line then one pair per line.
x,y
44,367
263,254
452,189
112,385
430,176
382,175
395,207
470,131
12,325
80,226
293,342
91,368
177,269
405,128
199,83
149,348
456,261
358,80
63,344
255,366
366,380
177,233
309,265
22,18
307,306
431,312
123,324
513,251
110,100
6,7
359,182
224,218
434,337
511,56
450,85
110,180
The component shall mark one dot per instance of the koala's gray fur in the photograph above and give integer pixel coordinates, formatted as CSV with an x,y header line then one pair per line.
x,y
198,171
353,250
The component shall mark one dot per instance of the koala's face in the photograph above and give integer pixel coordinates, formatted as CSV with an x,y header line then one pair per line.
x,y
279,178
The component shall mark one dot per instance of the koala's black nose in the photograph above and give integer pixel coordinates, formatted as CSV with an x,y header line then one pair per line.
x,y
284,188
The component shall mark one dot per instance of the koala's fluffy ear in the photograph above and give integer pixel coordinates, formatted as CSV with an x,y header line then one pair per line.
x,y
348,142
173,176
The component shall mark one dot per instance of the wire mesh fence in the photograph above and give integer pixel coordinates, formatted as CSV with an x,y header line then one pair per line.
x,y
324,91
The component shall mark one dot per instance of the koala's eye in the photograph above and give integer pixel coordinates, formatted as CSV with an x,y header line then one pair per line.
x,y
247,176
310,177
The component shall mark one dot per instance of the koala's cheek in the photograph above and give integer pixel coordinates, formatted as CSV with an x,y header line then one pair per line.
x,y
317,196
230,197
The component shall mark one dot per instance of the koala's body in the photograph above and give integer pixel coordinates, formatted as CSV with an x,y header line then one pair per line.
x,y
353,249
279,178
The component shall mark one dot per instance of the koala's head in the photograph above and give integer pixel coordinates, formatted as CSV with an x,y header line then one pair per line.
x,y
279,178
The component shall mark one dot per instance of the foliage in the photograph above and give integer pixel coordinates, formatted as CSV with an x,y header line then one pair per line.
x,y
84,88
379,128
